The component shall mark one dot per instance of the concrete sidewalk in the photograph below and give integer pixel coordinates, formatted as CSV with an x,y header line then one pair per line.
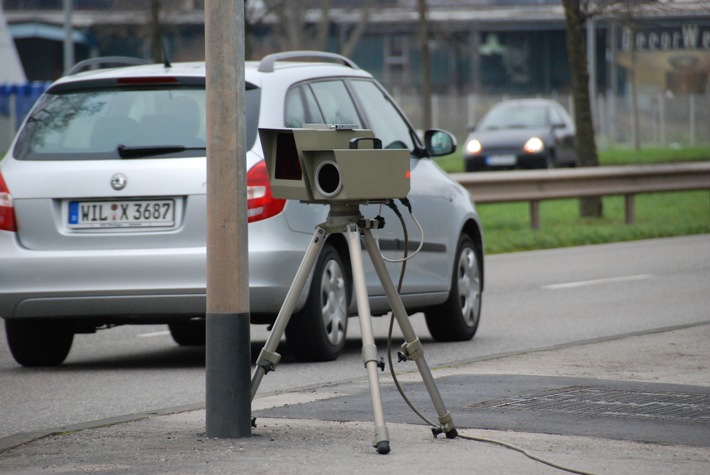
x,y
634,405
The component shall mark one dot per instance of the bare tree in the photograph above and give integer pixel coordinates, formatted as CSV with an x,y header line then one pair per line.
x,y
585,145
307,24
155,28
577,12
357,30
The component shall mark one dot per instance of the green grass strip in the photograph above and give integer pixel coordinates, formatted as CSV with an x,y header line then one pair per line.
x,y
506,226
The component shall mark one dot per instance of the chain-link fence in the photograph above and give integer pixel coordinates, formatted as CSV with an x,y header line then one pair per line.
x,y
16,100
663,120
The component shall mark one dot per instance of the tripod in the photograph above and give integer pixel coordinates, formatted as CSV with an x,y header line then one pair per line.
x,y
345,217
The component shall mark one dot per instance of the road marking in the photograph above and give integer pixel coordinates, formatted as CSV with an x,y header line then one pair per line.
x,y
153,334
585,283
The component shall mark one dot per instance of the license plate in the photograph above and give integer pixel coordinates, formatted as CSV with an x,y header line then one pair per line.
x,y
501,160
121,214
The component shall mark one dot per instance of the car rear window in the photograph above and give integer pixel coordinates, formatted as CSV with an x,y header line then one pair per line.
x,y
101,123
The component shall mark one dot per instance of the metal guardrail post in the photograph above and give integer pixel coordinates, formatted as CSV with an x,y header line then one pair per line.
x,y
629,208
535,214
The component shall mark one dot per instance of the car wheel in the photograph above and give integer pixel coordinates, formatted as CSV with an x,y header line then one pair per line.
x,y
190,333
39,342
457,318
318,331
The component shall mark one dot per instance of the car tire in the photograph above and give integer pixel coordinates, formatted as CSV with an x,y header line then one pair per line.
x,y
319,330
36,343
190,333
457,319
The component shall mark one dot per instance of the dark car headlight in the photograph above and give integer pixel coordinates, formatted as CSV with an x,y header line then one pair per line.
x,y
534,145
473,147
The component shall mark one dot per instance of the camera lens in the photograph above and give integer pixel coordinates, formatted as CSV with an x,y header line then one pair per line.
x,y
328,179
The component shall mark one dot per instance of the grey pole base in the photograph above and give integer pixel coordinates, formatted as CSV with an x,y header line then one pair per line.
x,y
227,353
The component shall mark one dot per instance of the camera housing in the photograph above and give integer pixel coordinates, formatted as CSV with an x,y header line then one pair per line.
x,y
337,163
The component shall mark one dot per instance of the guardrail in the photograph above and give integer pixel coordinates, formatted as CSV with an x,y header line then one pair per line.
x,y
629,180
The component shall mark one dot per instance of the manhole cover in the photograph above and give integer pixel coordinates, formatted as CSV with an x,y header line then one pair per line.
x,y
610,402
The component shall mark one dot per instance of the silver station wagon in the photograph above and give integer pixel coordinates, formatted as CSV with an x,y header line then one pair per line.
x,y
102,210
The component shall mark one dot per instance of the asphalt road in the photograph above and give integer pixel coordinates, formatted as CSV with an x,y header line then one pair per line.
x,y
532,300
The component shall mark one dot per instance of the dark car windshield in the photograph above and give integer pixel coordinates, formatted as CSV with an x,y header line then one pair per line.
x,y
521,116
103,123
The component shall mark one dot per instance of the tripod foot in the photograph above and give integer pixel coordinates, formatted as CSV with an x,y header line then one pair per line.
x,y
450,434
382,440
447,427
383,447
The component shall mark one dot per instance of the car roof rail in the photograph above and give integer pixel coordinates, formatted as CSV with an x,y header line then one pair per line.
x,y
104,60
266,65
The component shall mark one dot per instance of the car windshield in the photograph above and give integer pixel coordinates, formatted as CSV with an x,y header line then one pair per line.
x,y
90,124
521,116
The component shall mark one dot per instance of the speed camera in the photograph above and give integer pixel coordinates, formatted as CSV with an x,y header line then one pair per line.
x,y
338,163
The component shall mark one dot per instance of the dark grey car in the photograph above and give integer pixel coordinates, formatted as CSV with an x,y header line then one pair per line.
x,y
521,133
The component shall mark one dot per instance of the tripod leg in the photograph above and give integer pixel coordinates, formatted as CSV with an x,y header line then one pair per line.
x,y
369,349
268,358
412,347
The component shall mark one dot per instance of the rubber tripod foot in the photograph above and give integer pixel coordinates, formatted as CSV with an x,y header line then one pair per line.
x,y
383,447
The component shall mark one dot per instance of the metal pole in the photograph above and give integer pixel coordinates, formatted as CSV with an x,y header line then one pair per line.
x,y
691,111
68,36
613,82
662,118
228,402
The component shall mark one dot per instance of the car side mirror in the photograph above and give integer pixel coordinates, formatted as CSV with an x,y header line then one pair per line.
x,y
439,142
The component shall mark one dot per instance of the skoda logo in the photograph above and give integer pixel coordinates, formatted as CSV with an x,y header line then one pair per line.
x,y
118,181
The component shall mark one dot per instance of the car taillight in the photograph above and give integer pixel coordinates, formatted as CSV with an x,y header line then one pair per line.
x,y
7,212
261,204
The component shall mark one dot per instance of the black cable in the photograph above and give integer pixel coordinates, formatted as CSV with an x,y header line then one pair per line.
x,y
394,208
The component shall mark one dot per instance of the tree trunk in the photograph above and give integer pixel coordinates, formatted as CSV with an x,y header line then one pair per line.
x,y
156,33
585,145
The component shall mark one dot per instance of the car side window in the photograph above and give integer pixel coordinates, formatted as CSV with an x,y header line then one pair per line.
x,y
301,108
335,103
314,115
295,113
385,120
556,118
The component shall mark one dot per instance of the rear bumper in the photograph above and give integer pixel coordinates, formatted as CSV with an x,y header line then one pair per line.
x,y
149,284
